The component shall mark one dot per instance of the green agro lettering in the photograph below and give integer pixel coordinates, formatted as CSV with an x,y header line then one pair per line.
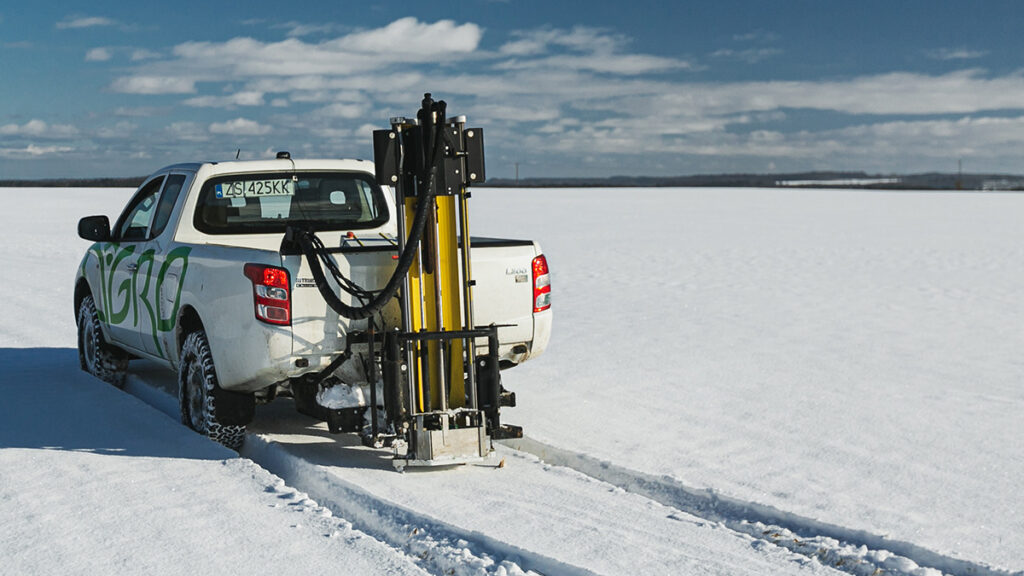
x,y
128,294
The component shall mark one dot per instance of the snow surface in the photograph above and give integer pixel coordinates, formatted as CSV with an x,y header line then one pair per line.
x,y
842,362
848,356
94,481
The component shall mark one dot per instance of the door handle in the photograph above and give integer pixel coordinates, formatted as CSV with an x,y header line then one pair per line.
x,y
132,266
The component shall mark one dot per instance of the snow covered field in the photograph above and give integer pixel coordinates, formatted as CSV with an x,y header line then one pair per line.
x,y
739,382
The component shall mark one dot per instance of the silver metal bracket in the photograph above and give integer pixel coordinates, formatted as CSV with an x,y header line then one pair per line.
x,y
445,446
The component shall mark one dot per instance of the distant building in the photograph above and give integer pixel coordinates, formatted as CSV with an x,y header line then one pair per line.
x,y
850,182
1003,184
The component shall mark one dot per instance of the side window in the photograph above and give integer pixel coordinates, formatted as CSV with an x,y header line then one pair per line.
x,y
134,221
166,204
367,192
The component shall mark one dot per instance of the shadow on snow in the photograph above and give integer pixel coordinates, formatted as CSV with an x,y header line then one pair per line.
x,y
51,404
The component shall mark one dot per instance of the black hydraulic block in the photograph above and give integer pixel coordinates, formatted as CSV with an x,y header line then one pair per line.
x,y
506,432
488,382
385,156
474,139
507,399
344,419
374,424
395,401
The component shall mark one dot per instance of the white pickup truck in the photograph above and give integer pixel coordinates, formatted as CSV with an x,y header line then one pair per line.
x,y
192,275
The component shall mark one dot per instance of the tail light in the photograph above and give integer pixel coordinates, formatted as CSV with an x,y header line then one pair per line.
x,y
541,284
270,292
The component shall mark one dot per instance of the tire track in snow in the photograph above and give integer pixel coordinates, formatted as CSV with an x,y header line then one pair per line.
x,y
447,549
854,551
441,548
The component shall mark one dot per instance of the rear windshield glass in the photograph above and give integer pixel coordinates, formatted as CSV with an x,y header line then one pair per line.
x,y
267,203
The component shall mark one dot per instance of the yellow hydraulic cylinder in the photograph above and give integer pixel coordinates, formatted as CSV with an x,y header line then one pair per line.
x,y
434,312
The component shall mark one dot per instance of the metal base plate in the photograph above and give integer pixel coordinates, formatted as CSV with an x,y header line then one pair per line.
x,y
445,447
401,464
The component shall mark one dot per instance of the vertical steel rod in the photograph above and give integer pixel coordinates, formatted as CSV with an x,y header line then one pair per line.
x,y
406,306
442,345
467,291
373,384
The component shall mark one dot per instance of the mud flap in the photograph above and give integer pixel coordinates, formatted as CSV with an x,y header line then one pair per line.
x,y
234,408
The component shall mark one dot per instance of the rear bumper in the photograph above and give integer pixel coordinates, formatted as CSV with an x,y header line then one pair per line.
x,y
541,333
254,360
264,355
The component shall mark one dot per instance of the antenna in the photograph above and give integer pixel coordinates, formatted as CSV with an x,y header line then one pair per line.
x,y
237,152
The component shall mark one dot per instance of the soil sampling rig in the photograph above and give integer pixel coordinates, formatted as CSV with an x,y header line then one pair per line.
x,y
441,396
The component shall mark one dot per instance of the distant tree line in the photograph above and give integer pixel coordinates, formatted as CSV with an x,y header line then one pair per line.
x,y
132,182
926,181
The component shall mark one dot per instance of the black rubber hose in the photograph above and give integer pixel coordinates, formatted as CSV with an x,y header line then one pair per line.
x,y
419,223
435,130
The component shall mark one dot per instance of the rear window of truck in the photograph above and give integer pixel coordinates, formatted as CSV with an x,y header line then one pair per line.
x,y
269,202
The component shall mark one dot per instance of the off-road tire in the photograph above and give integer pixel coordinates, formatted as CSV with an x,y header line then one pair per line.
x,y
94,354
201,397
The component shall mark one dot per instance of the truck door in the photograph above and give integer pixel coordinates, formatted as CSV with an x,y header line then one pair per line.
x,y
161,269
123,257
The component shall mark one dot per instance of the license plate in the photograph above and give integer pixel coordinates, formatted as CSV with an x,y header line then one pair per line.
x,y
255,188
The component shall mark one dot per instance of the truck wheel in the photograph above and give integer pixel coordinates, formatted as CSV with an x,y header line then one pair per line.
x,y
94,354
202,399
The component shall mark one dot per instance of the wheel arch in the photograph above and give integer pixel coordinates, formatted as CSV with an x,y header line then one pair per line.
x,y
188,322
82,290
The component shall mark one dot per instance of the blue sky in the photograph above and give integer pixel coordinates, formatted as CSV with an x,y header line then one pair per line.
x,y
599,88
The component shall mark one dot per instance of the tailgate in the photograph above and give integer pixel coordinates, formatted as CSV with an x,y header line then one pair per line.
x,y
317,329
503,295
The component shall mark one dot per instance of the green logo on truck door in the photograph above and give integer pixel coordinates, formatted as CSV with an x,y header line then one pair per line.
x,y
140,289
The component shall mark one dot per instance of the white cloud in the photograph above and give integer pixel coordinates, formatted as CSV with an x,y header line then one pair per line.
x,y
581,49
187,131
749,55
625,64
33,151
986,137
960,92
402,42
244,98
122,129
84,22
570,93
955,54
757,36
342,110
524,46
39,129
154,85
410,36
101,54
144,54
298,29
510,113
899,146
579,39
239,127
139,112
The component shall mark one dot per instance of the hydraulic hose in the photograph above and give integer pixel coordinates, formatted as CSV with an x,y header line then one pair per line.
x,y
433,126
419,224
